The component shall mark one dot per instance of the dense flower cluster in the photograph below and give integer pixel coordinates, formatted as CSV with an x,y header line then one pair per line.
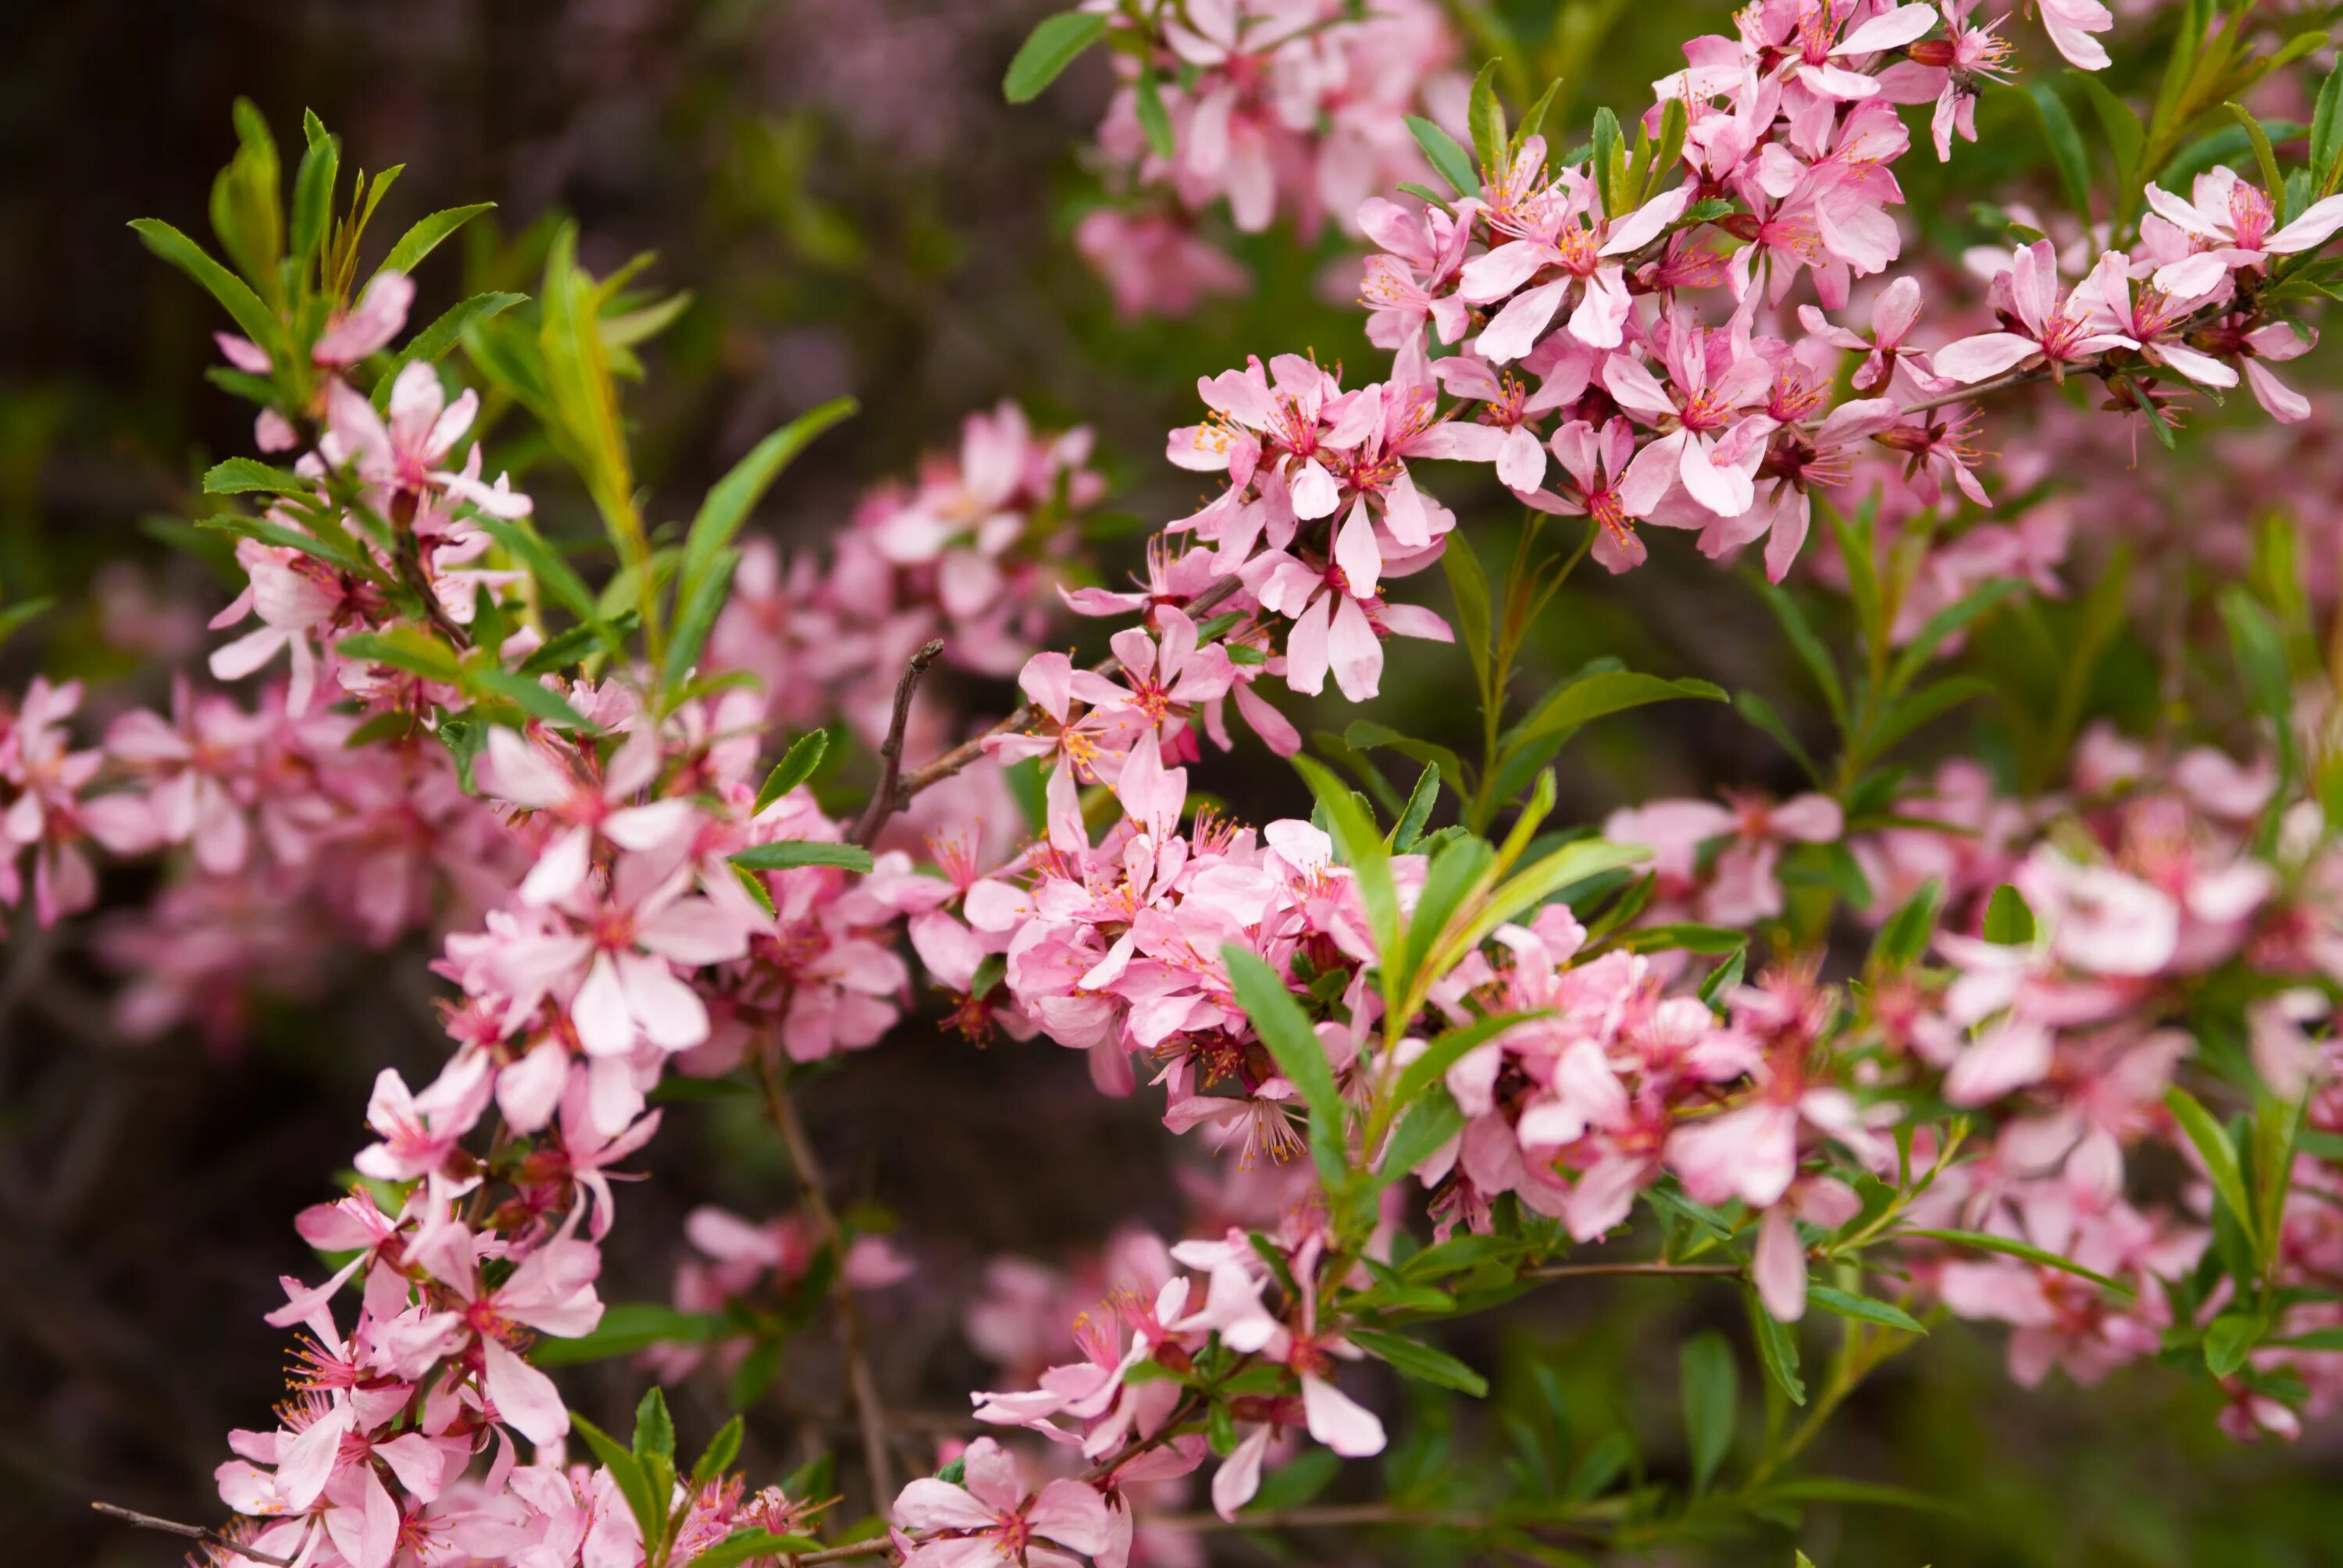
x,y
1542,1030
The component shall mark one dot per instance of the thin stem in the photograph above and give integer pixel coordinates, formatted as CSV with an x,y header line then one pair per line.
x,y
1322,1516
869,1415
195,1533
891,796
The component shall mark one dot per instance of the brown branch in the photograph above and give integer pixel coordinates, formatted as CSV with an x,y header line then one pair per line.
x,y
969,751
1655,1271
195,1533
891,795
869,1413
852,1549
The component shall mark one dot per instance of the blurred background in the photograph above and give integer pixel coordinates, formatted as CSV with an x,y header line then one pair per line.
x,y
852,208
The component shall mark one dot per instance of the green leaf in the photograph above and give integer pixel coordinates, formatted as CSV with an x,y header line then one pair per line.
x,y
1711,1397
1293,1045
1470,587
2326,133
1982,1242
2009,918
695,617
1609,161
1809,646
1296,1484
1486,116
1905,936
733,497
1685,936
2127,138
313,195
12,619
1420,1362
1362,848
1674,121
1153,118
796,766
1429,1123
1760,713
1777,1351
1047,50
1833,1489
255,319
250,476
429,345
654,1428
2228,1339
1409,829
648,1508
1449,1047
405,647
793,852
1932,701
570,647
1600,694
1849,1305
269,531
630,1326
2066,145
424,238
742,1545
546,565
2213,1146
1458,865
1453,163
1954,618
531,697
2272,181
717,1456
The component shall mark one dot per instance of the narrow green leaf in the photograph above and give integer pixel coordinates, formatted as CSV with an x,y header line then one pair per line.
x,y
1848,1305
424,238
1420,1362
249,476
1486,116
733,497
1983,1242
1905,936
2326,133
533,697
1954,618
743,1545
1047,50
2066,145
1153,118
2264,154
257,321
1711,1386
630,1326
545,564
1454,163
1809,646
648,1508
1600,694
793,852
1470,586
654,1428
313,195
337,553
1760,712
696,609
717,1456
1285,1029
1448,1048
1431,1122
1777,1351
405,647
432,344
1409,828
2213,1146
796,766
1362,851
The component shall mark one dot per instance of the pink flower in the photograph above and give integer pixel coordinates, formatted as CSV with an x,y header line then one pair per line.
x,y
2229,224
1709,446
989,1517
2049,326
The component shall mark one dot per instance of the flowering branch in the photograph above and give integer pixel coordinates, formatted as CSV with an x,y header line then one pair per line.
x,y
888,796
